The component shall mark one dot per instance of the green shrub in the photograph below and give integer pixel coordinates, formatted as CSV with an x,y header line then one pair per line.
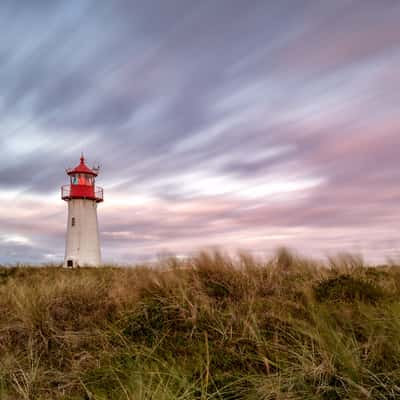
x,y
348,289
6,273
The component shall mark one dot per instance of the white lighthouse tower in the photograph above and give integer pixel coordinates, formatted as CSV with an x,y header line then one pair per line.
x,y
82,247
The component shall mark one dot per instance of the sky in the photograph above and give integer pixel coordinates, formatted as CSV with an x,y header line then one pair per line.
x,y
246,125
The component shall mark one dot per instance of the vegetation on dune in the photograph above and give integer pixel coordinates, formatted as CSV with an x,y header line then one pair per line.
x,y
211,327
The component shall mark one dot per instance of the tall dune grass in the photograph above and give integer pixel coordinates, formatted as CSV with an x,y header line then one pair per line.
x,y
211,327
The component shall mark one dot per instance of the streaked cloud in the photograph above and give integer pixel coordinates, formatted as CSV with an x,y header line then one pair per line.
x,y
216,123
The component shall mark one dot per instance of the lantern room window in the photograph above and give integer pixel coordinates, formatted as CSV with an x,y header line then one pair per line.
x,y
82,179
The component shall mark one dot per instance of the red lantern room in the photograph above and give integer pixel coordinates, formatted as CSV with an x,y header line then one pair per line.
x,y
82,184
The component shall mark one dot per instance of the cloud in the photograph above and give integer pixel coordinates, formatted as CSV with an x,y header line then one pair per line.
x,y
191,106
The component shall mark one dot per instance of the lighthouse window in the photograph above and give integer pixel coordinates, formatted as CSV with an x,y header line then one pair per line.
x,y
73,221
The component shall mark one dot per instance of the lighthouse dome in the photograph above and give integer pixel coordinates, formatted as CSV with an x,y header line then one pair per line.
x,y
82,184
81,168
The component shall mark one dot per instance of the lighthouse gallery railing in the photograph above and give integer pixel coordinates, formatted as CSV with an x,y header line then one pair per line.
x,y
66,193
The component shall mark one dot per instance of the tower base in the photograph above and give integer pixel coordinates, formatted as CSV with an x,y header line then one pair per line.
x,y
82,247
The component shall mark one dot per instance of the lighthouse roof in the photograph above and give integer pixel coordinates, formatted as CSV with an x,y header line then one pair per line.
x,y
81,168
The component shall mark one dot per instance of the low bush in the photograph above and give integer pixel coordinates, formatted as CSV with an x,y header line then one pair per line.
x,y
348,289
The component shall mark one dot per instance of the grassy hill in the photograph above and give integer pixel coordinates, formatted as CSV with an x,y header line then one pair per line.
x,y
205,328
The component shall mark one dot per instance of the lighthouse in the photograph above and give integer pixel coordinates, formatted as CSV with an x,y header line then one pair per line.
x,y
82,247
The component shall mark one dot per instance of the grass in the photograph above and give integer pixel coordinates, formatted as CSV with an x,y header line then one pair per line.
x,y
210,327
